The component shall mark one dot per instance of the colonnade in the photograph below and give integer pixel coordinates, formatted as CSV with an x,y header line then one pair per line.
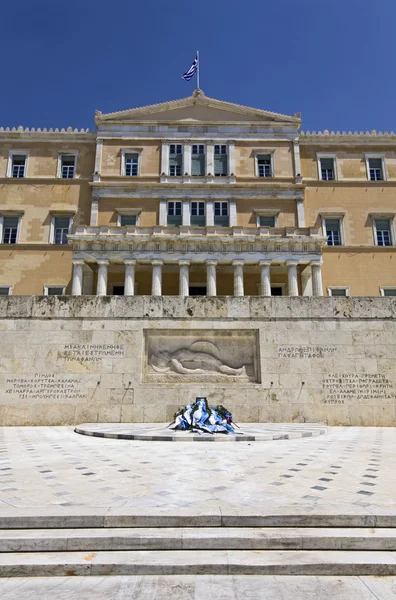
x,y
184,275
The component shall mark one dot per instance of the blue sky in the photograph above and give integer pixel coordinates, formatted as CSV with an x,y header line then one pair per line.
x,y
332,61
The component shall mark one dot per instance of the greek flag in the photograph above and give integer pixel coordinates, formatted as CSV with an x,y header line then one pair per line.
x,y
192,70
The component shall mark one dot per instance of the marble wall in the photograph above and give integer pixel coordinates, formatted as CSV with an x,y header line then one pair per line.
x,y
67,360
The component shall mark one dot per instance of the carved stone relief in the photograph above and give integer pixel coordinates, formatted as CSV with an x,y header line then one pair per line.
x,y
201,356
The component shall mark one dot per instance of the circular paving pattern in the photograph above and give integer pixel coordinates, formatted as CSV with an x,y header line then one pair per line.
x,y
248,432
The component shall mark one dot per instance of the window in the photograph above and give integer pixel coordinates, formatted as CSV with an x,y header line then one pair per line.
x,y
327,169
220,160
10,230
388,291
375,169
338,291
131,165
118,290
266,221
198,217
221,216
198,159
53,290
264,165
175,160
383,232
197,289
68,165
5,290
174,214
60,227
332,228
125,220
18,165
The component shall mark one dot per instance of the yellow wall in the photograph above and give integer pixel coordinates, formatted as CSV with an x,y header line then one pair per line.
x,y
30,269
108,213
149,160
245,153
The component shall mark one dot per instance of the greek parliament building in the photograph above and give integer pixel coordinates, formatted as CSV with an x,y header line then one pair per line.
x,y
197,197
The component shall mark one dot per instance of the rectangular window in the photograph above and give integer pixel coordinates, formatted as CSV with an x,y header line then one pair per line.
x,y
198,218
221,216
174,214
175,160
131,165
10,230
389,291
126,220
5,290
375,169
338,291
61,229
198,159
220,160
54,291
333,232
18,165
327,169
264,165
265,221
383,228
68,165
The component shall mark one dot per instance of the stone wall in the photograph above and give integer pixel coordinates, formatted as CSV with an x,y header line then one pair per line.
x,y
66,360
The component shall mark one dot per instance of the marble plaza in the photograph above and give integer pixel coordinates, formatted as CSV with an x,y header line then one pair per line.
x,y
312,517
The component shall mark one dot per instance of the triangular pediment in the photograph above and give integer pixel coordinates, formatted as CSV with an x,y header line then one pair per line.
x,y
197,108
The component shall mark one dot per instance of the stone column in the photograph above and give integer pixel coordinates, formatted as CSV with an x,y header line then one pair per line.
x,y
101,288
317,285
156,286
265,273
300,213
163,210
209,158
186,218
184,266
306,281
165,157
233,213
186,158
78,266
88,278
231,157
129,283
211,288
292,278
94,211
238,277
297,159
209,212
98,158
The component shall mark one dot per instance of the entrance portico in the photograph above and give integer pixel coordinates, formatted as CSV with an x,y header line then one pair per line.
x,y
199,256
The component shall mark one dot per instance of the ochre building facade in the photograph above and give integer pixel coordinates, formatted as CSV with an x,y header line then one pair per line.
x,y
197,197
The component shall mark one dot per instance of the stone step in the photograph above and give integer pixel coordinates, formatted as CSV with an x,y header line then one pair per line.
x,y
206,538
82,518
199,562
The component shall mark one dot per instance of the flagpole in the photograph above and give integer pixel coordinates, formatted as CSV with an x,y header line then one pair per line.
x,y
198,70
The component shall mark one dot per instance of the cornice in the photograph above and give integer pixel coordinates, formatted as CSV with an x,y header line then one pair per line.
x,y
342,137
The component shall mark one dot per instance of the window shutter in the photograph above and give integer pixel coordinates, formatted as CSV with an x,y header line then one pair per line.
x,y
198,164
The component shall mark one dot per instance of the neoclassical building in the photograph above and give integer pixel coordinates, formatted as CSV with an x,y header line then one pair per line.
x,y
197,197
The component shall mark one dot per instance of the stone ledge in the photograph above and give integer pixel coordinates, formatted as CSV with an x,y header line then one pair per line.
x,y
221,307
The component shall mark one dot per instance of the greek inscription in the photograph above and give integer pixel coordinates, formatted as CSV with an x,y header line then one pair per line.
x,y
45,387
351,387
92,352
305,351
